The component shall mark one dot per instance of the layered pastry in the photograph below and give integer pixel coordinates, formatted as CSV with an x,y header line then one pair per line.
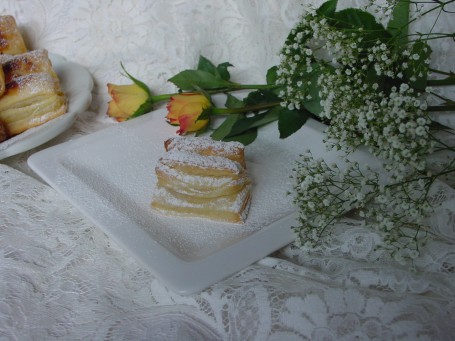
x,y
11,41
36,61
32,93
201,177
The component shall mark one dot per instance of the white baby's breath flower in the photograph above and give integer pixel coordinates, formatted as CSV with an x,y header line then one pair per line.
x,y
346,72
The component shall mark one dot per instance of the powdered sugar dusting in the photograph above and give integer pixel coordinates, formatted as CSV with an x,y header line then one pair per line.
x,y
192,143
34,83
111,175
205,162
34,61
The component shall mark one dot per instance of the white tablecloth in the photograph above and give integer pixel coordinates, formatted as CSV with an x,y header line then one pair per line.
x,y
62,278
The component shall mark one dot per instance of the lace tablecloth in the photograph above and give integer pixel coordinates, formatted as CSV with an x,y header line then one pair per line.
x,y
62,278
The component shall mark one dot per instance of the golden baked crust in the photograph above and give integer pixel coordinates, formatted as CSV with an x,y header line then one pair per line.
x,y
30,101
202,185
197,164
230,208
36,61
11,41
202,178
32,93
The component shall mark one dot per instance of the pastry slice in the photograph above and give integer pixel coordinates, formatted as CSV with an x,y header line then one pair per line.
x,y
207,146
201,177
196,164
29,101
36,61
11,41
232,208
199,185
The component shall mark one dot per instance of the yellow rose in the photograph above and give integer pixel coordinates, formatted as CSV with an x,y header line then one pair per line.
x,y
126,99
184,109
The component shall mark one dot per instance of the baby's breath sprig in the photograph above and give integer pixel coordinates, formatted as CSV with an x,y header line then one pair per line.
x,y
371,84
397,209
324,192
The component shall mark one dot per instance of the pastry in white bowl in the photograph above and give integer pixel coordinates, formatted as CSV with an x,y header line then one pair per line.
x,y
32,95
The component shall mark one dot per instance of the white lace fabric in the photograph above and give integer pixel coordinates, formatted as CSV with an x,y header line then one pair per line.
x,y
62,278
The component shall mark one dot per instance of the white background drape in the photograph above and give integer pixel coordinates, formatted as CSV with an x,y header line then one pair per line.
x,y
62,278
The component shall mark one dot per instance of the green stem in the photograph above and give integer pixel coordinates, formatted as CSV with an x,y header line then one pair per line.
x,y
256,86
431,36
441,82
441,108
447,100
236,86
440,6
441,72
258,107
163,97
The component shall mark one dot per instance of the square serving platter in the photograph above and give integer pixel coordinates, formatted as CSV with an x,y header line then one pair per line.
x,y
109,176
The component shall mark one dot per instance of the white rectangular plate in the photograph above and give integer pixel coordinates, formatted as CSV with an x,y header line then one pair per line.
x,y
109,175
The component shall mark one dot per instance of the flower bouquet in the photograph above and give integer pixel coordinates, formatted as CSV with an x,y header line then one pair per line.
x,y
374,88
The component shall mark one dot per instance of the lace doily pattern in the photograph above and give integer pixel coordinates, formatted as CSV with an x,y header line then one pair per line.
x,y
62,278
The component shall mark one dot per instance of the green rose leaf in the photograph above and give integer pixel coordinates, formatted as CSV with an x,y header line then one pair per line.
x,y
246,138
205,64
233,102
220,71
244,124
225,128
290,121
314,104
417,71
271,76
205,114
237,127
223,72
191,80
261,96
398,25
328,8
353,18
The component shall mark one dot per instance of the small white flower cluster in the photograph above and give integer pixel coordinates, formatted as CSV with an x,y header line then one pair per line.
x,y
394,127
348,74
323,193
383,10
365,91
398,211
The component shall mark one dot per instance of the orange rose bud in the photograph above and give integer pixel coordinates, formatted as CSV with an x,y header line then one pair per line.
x,y
184,109
126,99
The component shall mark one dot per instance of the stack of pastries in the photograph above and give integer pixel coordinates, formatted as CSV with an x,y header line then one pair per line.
x,y
201,177
30,92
